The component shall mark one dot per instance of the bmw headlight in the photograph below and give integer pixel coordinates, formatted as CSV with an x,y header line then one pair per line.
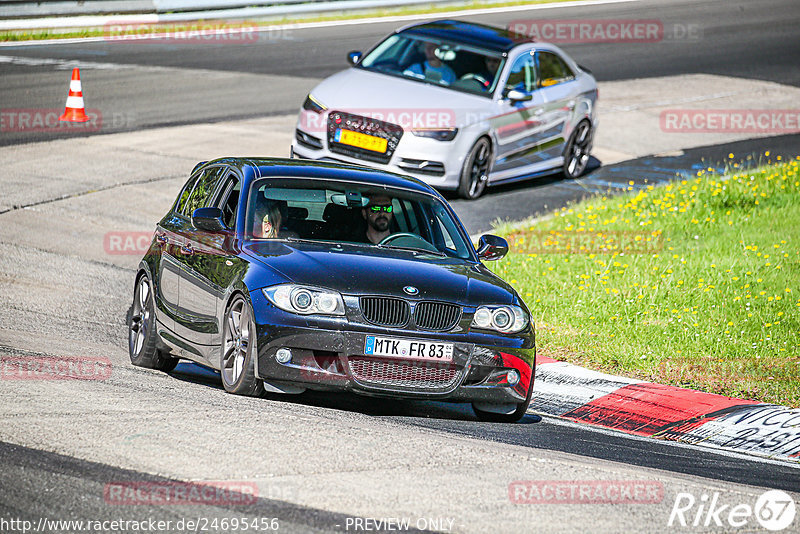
x,y
312,104
505,319
445,134
305,300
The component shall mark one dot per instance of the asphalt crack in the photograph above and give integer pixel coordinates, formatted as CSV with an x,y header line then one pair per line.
x,y
79,194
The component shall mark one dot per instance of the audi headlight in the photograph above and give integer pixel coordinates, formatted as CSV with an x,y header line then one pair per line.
x,y
505,319
312,104
446,134
305,300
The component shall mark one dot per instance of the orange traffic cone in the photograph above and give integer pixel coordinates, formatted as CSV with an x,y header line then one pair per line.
x,y
74,111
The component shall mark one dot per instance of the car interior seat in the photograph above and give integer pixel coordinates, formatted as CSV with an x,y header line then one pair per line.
x,y
344,223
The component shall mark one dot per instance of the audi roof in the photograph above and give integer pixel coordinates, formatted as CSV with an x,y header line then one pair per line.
x,y
477,35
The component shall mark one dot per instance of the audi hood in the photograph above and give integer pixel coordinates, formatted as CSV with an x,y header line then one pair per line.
x,y
409,103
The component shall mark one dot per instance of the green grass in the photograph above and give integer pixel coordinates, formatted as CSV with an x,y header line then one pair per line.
x,y
704,294
70,33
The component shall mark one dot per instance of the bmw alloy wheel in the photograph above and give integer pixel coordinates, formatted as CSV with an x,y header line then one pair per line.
x,y
140,317
239,351
142,335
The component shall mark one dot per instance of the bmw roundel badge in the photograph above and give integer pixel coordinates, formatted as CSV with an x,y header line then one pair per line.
x,y
411,290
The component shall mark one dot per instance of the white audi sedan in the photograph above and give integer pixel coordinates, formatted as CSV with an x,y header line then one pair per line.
x,y
458,105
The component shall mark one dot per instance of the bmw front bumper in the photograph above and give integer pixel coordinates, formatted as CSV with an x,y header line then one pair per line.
x,y
329,354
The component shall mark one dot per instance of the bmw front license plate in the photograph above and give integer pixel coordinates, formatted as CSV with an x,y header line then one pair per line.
x,y
408,349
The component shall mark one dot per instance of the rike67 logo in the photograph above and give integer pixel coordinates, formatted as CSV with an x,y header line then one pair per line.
x,y
774,510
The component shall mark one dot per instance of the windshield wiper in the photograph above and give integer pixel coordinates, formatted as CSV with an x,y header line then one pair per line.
x,y
381,68
368,245
301,240
327,242
416,249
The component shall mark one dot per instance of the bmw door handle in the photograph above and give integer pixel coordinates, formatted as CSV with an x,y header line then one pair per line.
x,y
538,111
187,249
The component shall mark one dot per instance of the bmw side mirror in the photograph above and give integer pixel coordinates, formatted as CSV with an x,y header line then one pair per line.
x,y
354,57
519,96
208,219
492,247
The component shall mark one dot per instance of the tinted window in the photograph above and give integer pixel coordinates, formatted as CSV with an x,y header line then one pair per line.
x,y
447,240
407,220
522,76
448,63
187,190
325,211
229,199
203,189
552,69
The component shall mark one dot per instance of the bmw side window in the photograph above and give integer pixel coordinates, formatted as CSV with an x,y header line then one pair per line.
x,y
448,241
187,190
229,200
552,69
406,218
445,231
522,76
202,191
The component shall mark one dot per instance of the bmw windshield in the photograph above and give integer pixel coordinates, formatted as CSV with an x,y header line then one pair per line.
x,y
447,64
314,210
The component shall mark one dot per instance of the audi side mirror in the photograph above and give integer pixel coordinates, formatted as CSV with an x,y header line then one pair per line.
x,y
354,57
492,247
519,96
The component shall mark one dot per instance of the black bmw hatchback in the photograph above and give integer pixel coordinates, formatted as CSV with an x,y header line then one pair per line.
x,y
286,275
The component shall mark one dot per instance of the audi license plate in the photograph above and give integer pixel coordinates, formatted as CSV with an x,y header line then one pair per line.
x,y
360,140
408,349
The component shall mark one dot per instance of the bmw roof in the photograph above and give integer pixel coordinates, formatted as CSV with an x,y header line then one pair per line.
x,y
321,170
478,35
